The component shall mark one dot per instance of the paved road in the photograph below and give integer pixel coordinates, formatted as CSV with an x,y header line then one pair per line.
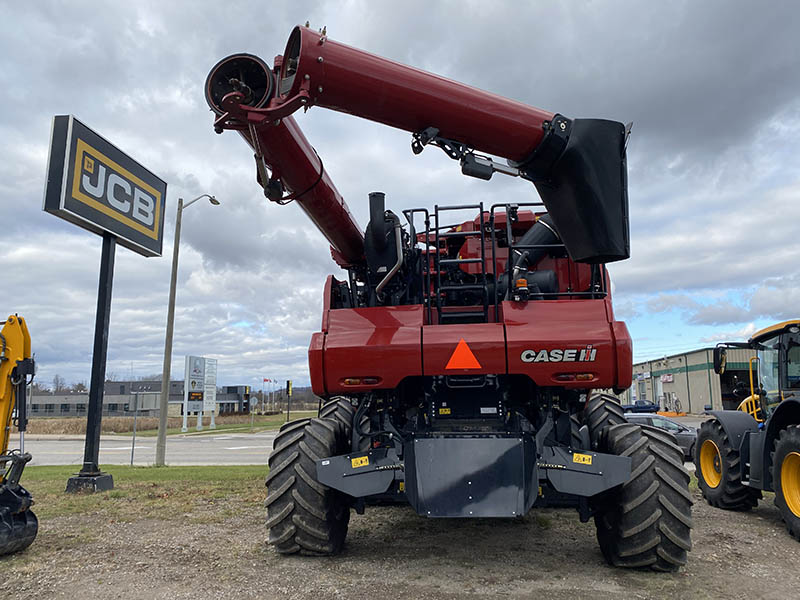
x,y
227,449
209,449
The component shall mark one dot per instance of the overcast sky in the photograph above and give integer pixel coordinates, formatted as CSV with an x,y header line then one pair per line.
x,y
713,89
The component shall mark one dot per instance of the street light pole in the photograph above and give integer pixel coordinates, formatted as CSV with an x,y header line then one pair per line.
x,y
163,405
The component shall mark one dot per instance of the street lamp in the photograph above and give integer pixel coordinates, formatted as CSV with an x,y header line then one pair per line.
x,y
161,443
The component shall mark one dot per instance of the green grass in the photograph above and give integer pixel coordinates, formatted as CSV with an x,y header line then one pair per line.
x,y
203,492
260,423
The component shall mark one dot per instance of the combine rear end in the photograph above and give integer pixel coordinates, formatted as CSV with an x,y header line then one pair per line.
x,y
459,357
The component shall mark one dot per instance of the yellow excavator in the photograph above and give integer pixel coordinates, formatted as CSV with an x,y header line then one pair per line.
x,y
18,524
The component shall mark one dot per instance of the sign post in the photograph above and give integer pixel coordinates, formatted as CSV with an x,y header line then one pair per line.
x,y
94,185
288,398
210,390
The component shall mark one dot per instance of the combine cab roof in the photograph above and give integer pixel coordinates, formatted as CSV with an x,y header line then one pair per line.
x,y
772,330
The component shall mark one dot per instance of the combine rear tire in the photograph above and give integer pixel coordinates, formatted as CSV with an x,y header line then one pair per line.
x,y
297,423
340,409
719,470
18,531
646,522
575,424
602,411
302,514
786,478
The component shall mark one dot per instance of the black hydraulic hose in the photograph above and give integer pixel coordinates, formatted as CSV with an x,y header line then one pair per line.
x,y
398,240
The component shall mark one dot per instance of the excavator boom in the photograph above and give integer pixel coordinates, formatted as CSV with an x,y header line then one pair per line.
x,y
18,524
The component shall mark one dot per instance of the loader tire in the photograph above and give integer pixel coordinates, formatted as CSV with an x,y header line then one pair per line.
x,y
646,522
17,531
719,471
340,409
303,515
786,478
601,412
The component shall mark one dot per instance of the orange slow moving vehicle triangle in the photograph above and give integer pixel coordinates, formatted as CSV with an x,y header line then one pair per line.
x,y
463,358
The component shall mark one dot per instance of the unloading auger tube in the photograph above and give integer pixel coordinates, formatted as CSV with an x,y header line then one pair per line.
x,y
577,165
18,524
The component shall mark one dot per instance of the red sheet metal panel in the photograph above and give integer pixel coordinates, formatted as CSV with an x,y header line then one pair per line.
x,y
315,364
442,348
554,341
624,355
380,344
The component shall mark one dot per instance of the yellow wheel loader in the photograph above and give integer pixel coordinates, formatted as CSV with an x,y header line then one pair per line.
x,y
18,524
757,447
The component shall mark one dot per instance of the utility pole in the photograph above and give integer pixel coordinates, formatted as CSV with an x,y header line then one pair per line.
x,y
163,404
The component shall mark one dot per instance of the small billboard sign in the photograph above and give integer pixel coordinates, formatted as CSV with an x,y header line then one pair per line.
x,y
93,184
194,383
210,387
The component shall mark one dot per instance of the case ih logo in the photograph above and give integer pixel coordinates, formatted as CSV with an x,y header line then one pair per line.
x,y
586,354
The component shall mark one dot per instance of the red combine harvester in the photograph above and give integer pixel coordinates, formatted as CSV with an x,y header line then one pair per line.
x,y
458,359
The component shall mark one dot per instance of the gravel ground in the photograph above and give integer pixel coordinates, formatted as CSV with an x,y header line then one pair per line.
x,y
216,549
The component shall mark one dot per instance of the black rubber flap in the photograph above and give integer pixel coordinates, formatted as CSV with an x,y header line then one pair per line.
x,y
471,476
587,192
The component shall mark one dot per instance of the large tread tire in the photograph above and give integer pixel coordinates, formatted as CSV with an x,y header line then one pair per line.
x,y
602,411
729,493
341,409
296,424
575,424
788,443
304,515
17,531
646,522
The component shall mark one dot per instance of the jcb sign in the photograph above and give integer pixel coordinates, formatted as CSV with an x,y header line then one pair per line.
x,y
93,184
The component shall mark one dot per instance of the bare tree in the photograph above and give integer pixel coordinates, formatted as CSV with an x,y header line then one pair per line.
x,y
59,385
38,388
80,387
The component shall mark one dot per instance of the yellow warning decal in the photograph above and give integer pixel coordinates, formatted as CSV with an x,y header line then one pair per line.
x,y
361,461
402,486
444,411
584,459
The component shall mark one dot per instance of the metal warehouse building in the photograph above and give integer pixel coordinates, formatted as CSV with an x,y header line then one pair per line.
x,y
120,398
689,378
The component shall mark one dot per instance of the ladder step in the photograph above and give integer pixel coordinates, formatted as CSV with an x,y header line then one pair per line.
x,y
459,261
458,207
461,315
471,286
459,234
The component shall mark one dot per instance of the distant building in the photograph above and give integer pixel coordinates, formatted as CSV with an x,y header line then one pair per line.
x,y
120,398
689,378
